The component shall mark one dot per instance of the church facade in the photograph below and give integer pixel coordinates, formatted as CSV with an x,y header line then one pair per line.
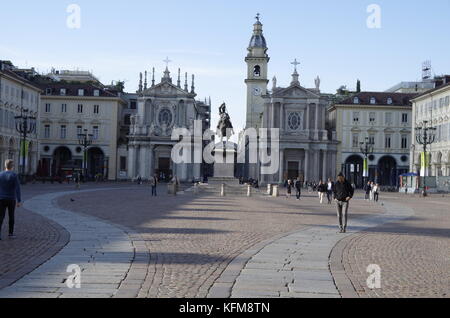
x,y
307,148
161,108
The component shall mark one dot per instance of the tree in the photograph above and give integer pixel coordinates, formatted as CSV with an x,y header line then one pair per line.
x,y
358,86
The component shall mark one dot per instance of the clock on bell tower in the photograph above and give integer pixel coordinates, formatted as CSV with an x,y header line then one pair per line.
x,y
257,62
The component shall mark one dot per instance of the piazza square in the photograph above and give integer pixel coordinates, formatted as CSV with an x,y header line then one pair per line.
x,y
243,165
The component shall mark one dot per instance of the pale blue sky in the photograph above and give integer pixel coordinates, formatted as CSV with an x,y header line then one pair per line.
x,y
118,39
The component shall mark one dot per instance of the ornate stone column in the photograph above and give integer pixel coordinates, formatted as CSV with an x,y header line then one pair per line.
x,y
307,165
281,176
325,166
316,130
132,162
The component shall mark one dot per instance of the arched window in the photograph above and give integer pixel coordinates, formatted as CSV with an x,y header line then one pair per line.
x,y
165,118
257,71
373,100
389,101
356,100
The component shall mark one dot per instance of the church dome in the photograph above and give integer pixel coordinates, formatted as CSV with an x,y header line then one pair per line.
x,y
258,41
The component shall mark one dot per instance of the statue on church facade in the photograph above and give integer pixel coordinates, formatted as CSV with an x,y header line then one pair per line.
x,y
224,123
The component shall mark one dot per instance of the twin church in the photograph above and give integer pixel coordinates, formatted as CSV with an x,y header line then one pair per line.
x,y
307,149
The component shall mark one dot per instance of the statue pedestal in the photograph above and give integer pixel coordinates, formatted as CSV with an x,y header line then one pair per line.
x,y
224,170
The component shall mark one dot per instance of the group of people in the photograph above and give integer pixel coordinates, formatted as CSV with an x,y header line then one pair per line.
x,y
372,191
340,191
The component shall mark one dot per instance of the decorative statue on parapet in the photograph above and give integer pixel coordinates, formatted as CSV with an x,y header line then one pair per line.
x,y
225,124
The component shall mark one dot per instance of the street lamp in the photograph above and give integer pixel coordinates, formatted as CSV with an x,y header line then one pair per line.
x,y
85,140
366,148
425,135
25,125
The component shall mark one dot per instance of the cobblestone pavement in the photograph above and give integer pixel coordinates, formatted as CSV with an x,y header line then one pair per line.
x,y
297,265
38,239
192,240
414,255
102,252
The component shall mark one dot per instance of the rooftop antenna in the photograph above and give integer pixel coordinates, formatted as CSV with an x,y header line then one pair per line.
x,y
426,70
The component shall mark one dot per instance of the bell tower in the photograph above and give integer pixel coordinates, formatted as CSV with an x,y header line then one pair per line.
x,y
257,63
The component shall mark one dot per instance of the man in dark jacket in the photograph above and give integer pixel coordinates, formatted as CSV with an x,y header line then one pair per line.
x,y
343,193
9,195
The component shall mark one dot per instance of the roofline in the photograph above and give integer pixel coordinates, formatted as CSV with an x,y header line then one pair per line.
x,y
21,80
430,92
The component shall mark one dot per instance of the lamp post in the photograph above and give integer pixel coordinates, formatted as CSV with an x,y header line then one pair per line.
x,y
25,125
425,135
366,148
85,140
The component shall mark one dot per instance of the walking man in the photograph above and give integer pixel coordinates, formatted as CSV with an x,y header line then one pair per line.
x,y
298,188
322,188
343,193
368,189
154,184
9,195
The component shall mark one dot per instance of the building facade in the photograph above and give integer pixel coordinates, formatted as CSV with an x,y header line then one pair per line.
x,y
161,108
433,106
382,119
67,110
306,147
17,93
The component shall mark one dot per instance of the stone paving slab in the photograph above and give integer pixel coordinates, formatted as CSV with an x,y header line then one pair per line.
x,y
297,265
104,253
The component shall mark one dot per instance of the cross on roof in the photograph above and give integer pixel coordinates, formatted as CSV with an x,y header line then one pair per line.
x,y
295,63
167,61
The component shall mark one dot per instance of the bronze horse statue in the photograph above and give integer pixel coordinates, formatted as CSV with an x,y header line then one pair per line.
x,y
224,124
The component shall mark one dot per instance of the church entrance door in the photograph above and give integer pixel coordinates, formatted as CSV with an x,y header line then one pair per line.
x,y
164,171
293,170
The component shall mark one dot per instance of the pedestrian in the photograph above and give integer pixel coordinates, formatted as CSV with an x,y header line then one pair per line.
x,y
10,196
330,186
371,193
343,193
322,188
376,192
154,184
298,188
368,189
289,189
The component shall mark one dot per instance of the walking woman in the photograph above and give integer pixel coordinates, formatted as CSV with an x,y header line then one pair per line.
x,y
322,188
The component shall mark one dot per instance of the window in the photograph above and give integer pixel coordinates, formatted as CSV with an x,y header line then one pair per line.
x,y
387,142
81,92
79,131
372,139
356,117
356,100
47,132
64,108
123,163
294,121
95,132
388,119
127,120
80,108
63,132
133,104
48,108
62,92
372,117
389,101
96,93
447,101
404,118
257,71
165,118
96,109
404,142
48,91
355,141
373,100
